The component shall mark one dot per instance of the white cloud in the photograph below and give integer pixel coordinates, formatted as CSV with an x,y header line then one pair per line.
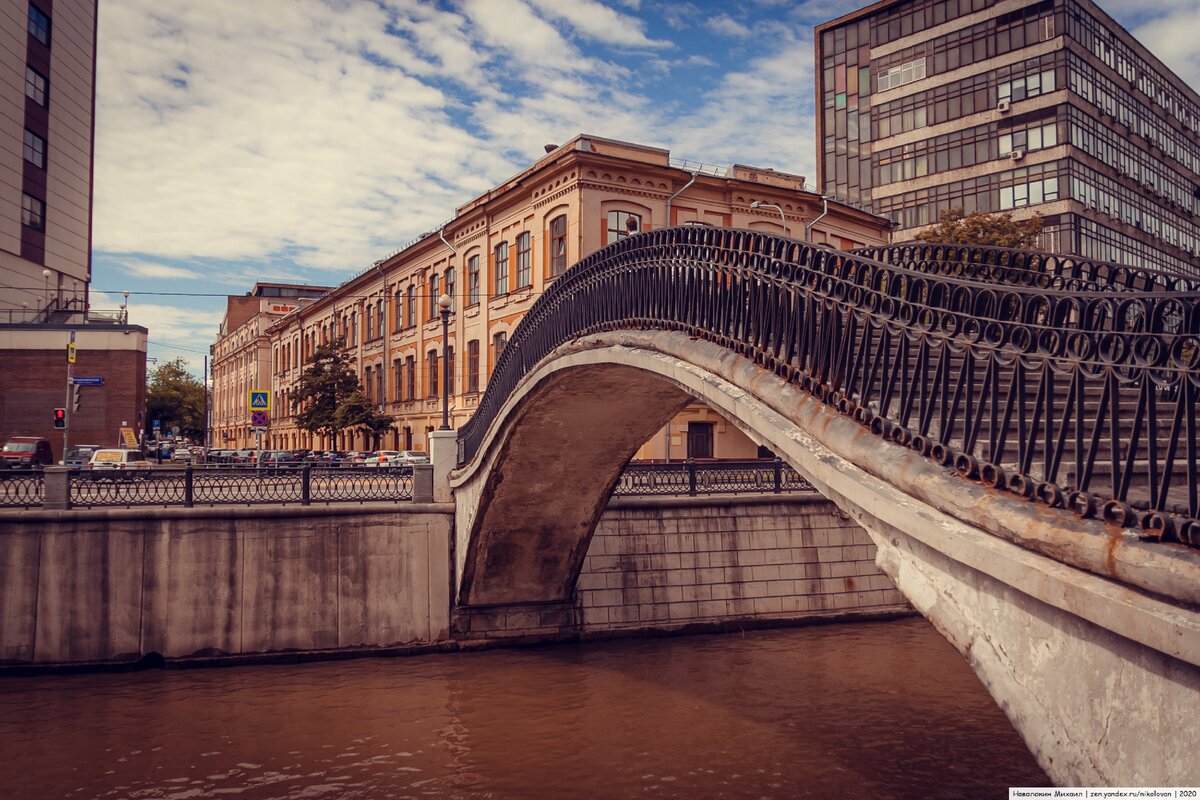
x,y
725,25
144,269
600,23
1173,39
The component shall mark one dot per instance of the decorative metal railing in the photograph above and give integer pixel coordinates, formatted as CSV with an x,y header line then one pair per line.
x,y
1082,397
238,485
21,488
717,477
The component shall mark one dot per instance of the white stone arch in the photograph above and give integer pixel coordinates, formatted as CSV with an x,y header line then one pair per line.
x,y
1089,671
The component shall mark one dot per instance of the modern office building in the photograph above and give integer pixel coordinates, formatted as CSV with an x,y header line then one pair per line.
x,y
47,109
1021,106
500,251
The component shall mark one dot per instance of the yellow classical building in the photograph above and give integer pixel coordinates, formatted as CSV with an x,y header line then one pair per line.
x,y
495,257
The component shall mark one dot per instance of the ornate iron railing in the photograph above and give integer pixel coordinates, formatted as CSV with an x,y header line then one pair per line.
x,y
238,485
21,488
1083,396
701,478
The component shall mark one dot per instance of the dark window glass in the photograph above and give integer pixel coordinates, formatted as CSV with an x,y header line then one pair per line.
x,y
558,245
35,86
34,150
500,275
524,260
473,280
33,212
39,24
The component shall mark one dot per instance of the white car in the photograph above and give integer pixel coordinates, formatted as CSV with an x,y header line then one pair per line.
x,y
382,458
116,460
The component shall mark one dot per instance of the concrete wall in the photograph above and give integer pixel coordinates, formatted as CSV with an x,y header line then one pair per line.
x,y
115,585
706,563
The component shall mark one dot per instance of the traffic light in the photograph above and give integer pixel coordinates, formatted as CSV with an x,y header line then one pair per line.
x,y
76,391
60,418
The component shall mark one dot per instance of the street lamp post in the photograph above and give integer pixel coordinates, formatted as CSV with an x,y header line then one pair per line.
x,y
783,219
444,305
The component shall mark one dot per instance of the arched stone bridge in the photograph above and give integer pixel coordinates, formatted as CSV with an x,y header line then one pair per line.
x,y
1017,433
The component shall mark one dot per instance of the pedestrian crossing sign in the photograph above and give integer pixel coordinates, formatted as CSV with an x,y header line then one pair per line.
x,y
260,400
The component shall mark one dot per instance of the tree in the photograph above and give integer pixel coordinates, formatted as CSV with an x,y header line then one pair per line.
x,y
997,230
175,397
324,399
356,412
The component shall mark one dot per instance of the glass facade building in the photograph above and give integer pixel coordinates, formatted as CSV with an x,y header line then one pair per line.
x,y
1045,107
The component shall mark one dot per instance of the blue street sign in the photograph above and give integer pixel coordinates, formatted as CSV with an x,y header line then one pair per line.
x,y
88,380
156,424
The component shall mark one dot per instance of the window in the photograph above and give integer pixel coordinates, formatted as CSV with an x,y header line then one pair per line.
x,y
398,372
450,286
33,212
473,281
558,245
39,24
473,365
380,397
367,384
524,260
410,304
904,73
35,149
398,305
435,291
35,86
449,371
432,359
500,284
381,316
370,322
499,342
353,327
410,378
621,224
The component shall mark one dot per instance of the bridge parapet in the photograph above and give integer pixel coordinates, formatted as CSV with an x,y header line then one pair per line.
x,y
1082,396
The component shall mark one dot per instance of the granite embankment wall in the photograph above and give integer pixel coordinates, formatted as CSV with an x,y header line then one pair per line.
x,y
110,586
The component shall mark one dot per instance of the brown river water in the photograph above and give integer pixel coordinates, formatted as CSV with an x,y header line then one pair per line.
x,y
866,710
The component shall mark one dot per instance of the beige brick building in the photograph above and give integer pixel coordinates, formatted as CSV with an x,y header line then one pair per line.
x,y
497,255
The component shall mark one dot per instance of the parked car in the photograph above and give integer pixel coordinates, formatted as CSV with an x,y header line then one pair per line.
x,y
182,455
26,452
117,463
247,456
405,458
273,457
381,458
80,455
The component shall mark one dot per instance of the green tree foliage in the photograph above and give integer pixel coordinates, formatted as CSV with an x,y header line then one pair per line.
x,y
356,412
175,397
997,230
328,399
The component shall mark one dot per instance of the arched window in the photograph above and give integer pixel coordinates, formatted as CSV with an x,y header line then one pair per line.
x,y
431,358
500,270
622,224
558,245
524,260
473,281
435,291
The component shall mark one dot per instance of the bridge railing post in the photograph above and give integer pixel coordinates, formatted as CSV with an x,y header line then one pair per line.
x,y
691,466
778,465
188,486
306,484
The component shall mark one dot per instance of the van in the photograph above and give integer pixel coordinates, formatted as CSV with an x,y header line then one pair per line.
x,y
26,452
107,461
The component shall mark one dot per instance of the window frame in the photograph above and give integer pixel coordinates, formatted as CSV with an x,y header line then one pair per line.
x,y
524,260
473,366
33,216
613,235
39,24
500,269
558,246
35,145
32,77
473,280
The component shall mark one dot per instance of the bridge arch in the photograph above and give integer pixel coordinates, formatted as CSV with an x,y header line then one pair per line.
x,y
938,396
1002,595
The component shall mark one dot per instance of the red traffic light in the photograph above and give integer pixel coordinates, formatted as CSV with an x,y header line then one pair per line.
x,y
60,418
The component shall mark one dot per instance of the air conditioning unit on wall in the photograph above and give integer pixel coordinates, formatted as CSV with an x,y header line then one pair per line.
x,y
1004,106
1017,155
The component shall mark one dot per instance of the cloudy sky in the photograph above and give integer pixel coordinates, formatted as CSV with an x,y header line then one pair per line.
x,y
303,139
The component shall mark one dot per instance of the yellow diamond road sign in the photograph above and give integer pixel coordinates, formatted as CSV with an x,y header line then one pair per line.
x,y
260,400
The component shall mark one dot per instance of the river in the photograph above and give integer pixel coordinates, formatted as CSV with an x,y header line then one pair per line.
x,y
867,710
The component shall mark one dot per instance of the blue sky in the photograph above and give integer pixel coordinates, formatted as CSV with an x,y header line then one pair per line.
x,y
301,140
